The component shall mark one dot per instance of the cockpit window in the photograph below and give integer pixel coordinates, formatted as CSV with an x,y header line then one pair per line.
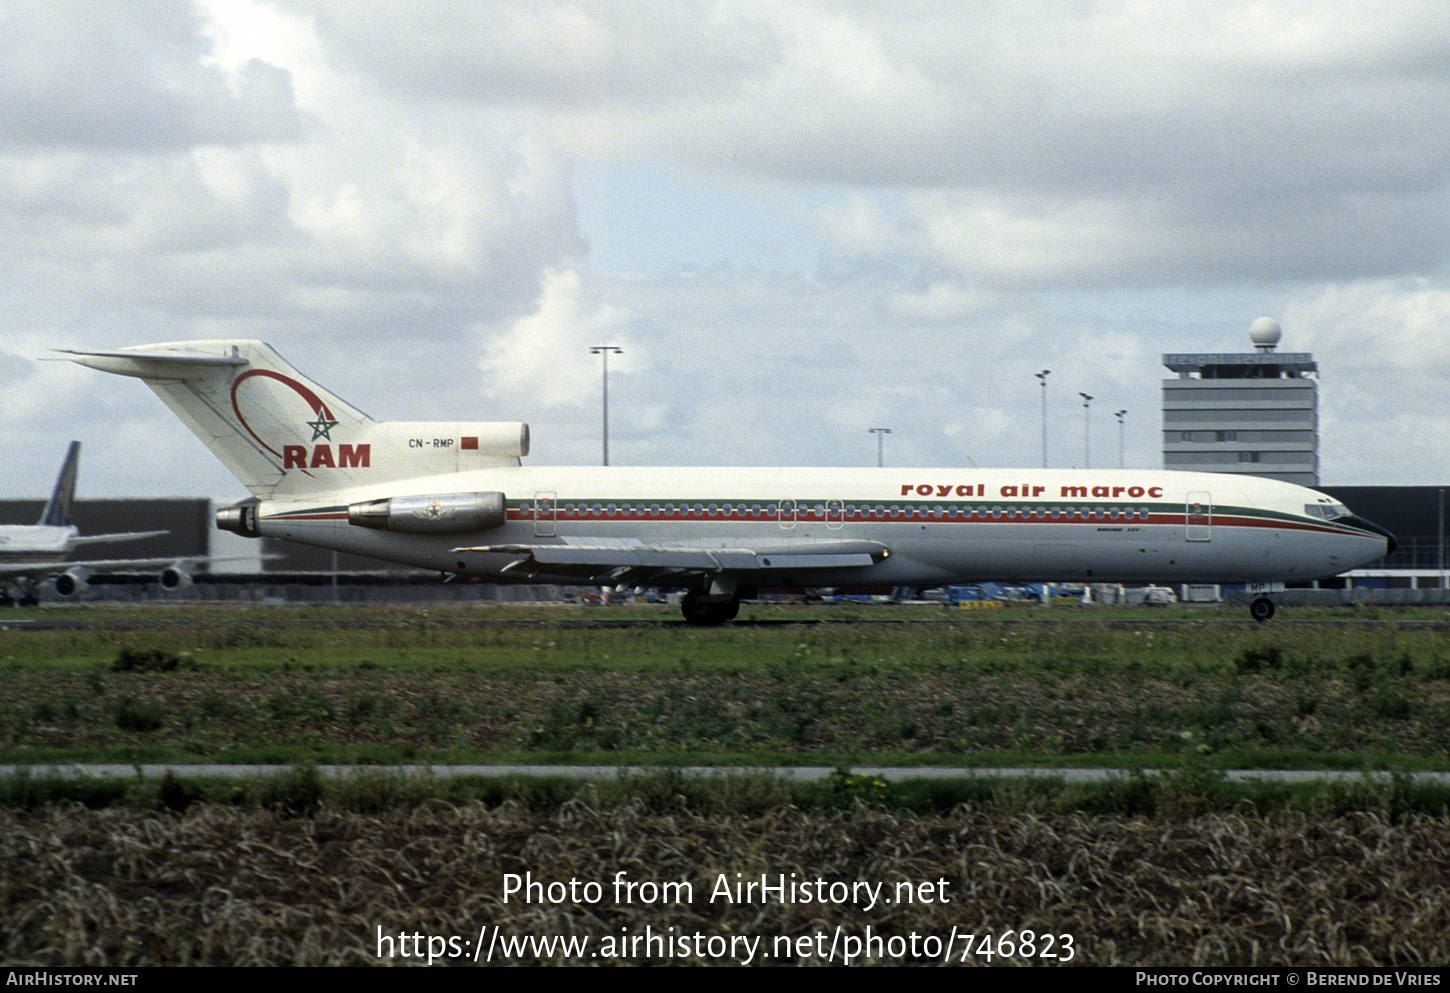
x,y
1327,510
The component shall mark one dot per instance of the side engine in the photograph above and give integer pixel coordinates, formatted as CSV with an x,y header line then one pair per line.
x,y
448,513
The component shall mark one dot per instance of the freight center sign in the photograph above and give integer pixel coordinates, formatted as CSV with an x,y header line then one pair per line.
x,y
1194,361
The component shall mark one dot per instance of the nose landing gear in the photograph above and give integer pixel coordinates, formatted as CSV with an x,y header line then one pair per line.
x,y
1261,608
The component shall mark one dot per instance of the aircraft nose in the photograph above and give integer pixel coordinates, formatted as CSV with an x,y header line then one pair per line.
x,y
1356,521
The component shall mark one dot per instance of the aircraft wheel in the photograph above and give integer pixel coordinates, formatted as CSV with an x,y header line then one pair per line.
x,y
702,612
1262,609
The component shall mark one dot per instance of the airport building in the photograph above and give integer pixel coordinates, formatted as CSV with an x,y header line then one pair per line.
x,y
1253,413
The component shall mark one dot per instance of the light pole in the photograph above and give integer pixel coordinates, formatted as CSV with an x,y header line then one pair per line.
x,y
603,352
1042,378
880,434
1119,415
1087,462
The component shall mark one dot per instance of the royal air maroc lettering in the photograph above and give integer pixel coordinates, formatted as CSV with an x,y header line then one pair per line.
x,y
1112,492
322,457
941,490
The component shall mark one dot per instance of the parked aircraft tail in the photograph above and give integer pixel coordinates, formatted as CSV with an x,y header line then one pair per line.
x,y
283,435
57,509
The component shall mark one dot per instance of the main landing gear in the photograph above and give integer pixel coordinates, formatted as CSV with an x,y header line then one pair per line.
x,y
22,595
702,612
1261,608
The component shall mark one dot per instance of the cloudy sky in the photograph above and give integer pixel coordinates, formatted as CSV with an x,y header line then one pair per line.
x,y
799,220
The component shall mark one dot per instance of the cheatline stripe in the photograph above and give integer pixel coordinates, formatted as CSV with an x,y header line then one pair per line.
x,y
897,511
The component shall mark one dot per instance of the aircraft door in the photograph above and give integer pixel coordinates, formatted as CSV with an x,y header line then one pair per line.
x,y
835,514
545,514
1198,516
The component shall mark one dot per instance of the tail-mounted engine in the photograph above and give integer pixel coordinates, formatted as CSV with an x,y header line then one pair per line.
x,y
240,519
449,513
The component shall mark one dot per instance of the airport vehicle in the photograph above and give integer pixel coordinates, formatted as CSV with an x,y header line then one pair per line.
x,y
30,553
455,496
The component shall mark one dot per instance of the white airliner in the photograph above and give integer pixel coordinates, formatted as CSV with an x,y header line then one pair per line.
x,y
32,552
455,496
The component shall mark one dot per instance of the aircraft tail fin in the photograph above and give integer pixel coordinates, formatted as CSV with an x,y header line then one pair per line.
x,y
283,435
57,509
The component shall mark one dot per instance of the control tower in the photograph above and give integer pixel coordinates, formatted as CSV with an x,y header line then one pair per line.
x,y
1255,413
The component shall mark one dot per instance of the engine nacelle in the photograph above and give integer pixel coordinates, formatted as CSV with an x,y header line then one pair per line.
x,y
175,577
448,513
72,583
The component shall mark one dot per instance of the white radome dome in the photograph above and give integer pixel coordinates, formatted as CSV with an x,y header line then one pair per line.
x,y
1265,332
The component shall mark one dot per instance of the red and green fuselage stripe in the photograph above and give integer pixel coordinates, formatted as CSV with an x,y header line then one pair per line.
x,y
723,511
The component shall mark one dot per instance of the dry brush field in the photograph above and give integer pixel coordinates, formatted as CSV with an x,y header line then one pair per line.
x,y
219,886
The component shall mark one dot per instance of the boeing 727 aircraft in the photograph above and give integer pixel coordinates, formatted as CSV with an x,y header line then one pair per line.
x,y
455,497
31,552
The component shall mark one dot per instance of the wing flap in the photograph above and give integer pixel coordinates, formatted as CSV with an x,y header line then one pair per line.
x,y
604,558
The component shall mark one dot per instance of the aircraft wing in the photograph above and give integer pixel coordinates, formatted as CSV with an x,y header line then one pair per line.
x,y
645,564
35,570
95,539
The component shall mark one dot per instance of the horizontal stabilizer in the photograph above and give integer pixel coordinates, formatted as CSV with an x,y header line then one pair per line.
x,y
180,364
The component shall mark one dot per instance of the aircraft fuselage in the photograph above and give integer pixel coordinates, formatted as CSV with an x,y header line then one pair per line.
x,y
25,543
938,525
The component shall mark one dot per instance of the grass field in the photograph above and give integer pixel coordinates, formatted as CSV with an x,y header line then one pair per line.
x,y
1174,868
866,686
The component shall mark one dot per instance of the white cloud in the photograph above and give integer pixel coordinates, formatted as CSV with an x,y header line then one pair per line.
x,y
1390,328
540,358
861,224
942,302
875,213
112,74
1384,359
